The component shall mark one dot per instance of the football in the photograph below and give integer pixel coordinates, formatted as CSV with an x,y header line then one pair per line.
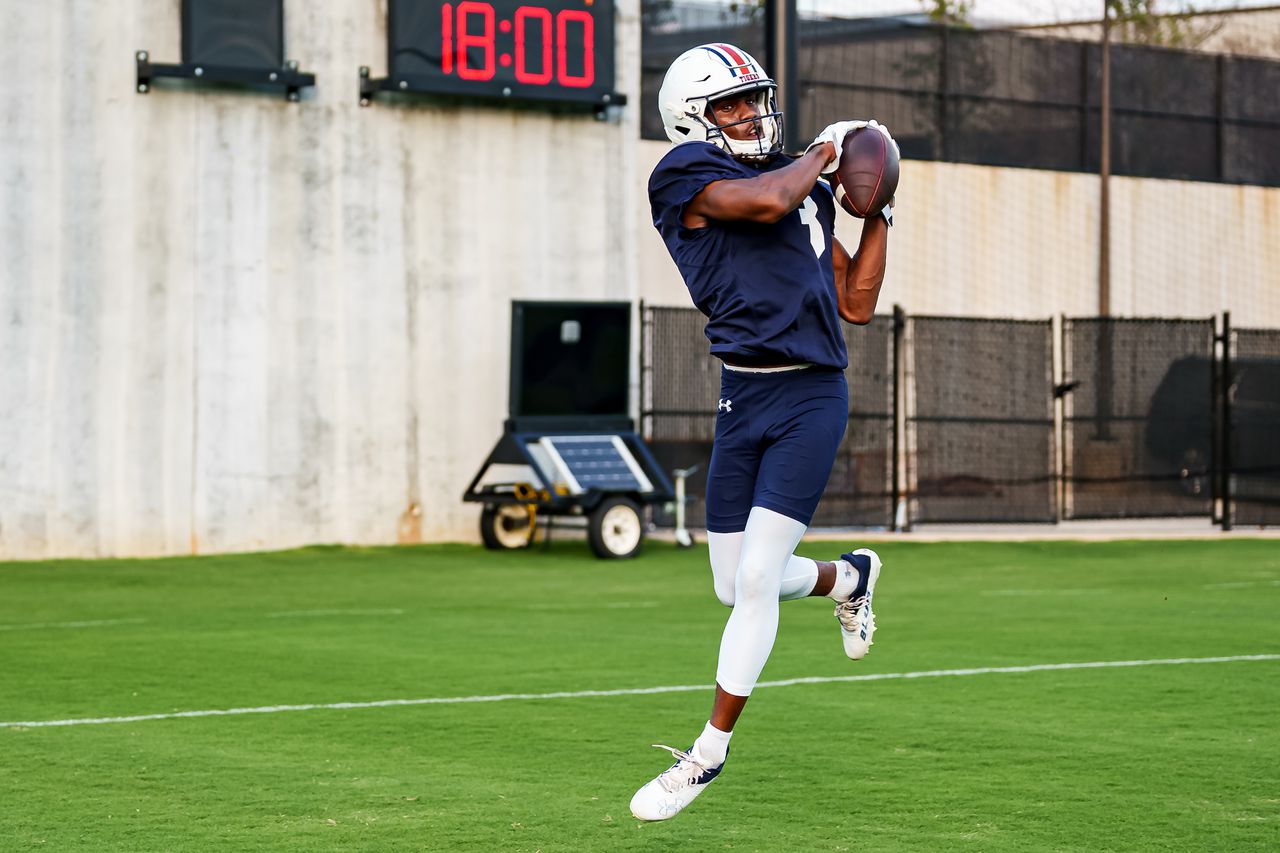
x,y
868,173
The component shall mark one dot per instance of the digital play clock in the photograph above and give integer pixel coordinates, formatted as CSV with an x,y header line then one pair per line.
x,y
518,50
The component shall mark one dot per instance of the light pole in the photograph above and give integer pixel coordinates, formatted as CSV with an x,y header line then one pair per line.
x,y
1103,378
781,33
1104,171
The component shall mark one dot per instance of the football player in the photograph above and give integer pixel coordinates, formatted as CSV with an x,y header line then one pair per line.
x,y
751,232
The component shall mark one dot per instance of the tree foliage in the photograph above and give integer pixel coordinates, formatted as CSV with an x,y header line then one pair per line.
x,y
951,12
1142,22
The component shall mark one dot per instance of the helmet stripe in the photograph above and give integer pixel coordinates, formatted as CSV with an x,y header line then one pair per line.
x,y
718,55
737,57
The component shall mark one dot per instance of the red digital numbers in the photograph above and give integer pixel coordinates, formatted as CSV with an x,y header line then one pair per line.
x,y
543,16
566,17
467,10
467,32
446,38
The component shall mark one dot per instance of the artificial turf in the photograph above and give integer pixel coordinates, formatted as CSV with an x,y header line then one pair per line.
x,y
1151,757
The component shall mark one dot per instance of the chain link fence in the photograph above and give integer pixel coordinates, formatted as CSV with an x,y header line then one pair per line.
x,y
680,386
860,491
980,426
1138,422
1144,419
1252,407
1002,98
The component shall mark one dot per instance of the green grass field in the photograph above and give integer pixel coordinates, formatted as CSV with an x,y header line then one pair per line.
x,y
1152,757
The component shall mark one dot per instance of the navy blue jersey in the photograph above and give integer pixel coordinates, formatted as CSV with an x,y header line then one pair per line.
x,y
768,290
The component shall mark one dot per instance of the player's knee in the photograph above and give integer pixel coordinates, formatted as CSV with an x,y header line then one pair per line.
x,y
725,552
756,586
725,591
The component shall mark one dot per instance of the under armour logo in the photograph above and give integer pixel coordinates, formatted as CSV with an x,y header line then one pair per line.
x,y
725,405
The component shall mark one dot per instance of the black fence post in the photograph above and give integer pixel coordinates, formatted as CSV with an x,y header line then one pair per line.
x,y
1215,426
1060,391
782,34
1225,433
644,367
899,326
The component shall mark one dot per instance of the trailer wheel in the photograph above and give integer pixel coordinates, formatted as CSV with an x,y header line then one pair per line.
x,y
615,529
506,526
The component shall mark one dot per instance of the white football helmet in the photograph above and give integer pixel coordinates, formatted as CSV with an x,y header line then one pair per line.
x,y
708,73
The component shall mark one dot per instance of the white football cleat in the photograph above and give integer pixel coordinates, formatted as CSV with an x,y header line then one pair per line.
x,y
674,788
857,620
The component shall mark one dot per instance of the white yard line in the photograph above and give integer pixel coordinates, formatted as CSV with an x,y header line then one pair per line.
x,y
1032,592
93,623
636,691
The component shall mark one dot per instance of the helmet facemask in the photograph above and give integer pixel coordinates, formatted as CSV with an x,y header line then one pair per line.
x,y
768,118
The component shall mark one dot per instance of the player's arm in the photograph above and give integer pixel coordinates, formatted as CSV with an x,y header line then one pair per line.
x,y
858,278
765,198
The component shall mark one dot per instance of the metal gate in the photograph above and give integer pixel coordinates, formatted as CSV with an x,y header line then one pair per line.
x,y
679,388
860,492
980,431
1138,423
1155,422
1251,407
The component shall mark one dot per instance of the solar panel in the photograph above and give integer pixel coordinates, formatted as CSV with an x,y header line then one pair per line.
x,y
602,462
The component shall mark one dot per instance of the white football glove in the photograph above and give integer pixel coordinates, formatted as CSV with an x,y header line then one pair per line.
x,y
887,212
880,127
835,134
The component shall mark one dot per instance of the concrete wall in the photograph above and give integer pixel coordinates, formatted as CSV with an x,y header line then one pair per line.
x,y
228,322
1023,243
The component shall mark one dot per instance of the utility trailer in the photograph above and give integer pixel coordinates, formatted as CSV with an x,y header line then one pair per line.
x,y
569,448
603,477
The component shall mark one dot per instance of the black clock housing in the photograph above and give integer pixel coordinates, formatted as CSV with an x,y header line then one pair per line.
x,y
555,51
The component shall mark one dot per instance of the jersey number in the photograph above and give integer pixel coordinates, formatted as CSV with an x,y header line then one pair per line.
x,y
809,216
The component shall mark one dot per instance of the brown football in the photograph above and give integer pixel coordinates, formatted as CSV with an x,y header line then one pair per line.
x,y
868,174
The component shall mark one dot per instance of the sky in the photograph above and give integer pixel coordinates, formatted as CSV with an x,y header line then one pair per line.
x,y
1014,11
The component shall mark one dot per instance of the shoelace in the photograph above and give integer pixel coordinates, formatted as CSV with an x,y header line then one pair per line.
x,y
682,773
847,612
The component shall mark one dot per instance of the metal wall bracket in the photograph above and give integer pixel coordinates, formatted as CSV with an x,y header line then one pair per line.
x,y
288,77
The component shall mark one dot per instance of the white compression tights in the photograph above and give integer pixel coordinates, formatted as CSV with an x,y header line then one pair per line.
x,y
753,571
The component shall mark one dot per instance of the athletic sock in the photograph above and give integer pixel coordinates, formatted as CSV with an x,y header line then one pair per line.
x,y
846,581
712,746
